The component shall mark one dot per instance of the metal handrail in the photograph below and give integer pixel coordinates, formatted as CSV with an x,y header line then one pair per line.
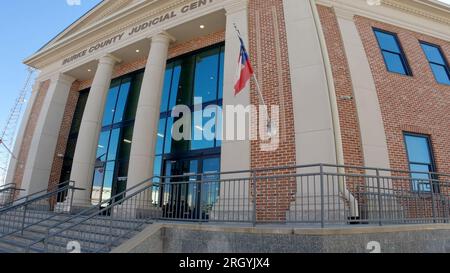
x,y
42,192
94,211
9,185
254,176
26,204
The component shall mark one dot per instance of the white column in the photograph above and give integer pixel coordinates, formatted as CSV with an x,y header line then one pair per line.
x,y
42,149
85,152
148,111
13,164
373,136
313,122
235,154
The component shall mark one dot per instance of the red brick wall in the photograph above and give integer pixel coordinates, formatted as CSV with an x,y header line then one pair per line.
x,y
29,132
269,56
351,135
64,136
416,104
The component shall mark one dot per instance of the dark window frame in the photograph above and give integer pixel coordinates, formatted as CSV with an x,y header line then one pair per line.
x,y
166,114
433,168
122,125
401,54
445,65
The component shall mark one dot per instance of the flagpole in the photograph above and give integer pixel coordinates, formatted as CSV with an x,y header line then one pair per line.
x,y
258,87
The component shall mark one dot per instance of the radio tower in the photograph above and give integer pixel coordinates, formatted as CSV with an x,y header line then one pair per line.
x,y
8,133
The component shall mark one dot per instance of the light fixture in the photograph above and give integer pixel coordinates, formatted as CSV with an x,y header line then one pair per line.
x,y
127,141
89,70
202,26
199,128
161,135
137,51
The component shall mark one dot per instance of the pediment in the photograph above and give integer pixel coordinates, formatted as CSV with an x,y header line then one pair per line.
x,y
103,10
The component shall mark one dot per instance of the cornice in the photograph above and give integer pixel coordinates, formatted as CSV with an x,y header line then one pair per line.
x,y
103,24
421,9
401,13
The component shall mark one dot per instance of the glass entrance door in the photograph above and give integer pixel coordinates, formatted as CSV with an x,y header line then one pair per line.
x,y
184,194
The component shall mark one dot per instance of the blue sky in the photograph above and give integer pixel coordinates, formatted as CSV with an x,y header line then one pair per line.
x,y
26,25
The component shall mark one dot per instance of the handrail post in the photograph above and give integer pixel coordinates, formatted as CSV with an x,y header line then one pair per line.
x,y
380,199
200,191
24,217
72,192
255,196
46,241
322,198
111,226
433,202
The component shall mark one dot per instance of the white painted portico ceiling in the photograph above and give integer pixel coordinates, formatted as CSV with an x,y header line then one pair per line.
x,y
110,15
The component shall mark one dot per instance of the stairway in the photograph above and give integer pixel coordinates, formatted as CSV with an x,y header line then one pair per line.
x,y
92,235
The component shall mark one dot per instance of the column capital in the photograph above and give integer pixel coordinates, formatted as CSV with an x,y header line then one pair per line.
x,y
236,6
162,37
109,59
63,78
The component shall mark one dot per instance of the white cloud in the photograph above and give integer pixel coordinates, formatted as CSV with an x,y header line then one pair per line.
x,y
445,1
73,2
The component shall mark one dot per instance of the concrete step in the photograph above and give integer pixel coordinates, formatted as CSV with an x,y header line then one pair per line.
x,y
89,242
85,231
93,234
99,224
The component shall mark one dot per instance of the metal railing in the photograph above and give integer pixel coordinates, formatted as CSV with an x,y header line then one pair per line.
x,y
36,209
321,195
61,195
7,194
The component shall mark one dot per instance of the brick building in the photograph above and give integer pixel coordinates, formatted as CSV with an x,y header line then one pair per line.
x,y
354,83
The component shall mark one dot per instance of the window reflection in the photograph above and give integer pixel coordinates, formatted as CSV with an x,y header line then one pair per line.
x,y
195,75
420,161
115,140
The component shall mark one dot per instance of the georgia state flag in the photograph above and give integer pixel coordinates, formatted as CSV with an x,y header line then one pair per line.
x,y
245,70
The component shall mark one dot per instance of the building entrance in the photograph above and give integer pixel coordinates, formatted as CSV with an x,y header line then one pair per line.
x,y
191,187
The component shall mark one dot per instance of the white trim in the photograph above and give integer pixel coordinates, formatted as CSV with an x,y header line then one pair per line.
x,y
399,14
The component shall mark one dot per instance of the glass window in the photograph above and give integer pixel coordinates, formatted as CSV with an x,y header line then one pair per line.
x,y
125,142
393,55
122,100
433,53
184,80
196,75
221,74
420,161
102,146
110,106
166,88
438,64
199,141
206,75
73,136
160,136
114,145
175,87
133,97
79,111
